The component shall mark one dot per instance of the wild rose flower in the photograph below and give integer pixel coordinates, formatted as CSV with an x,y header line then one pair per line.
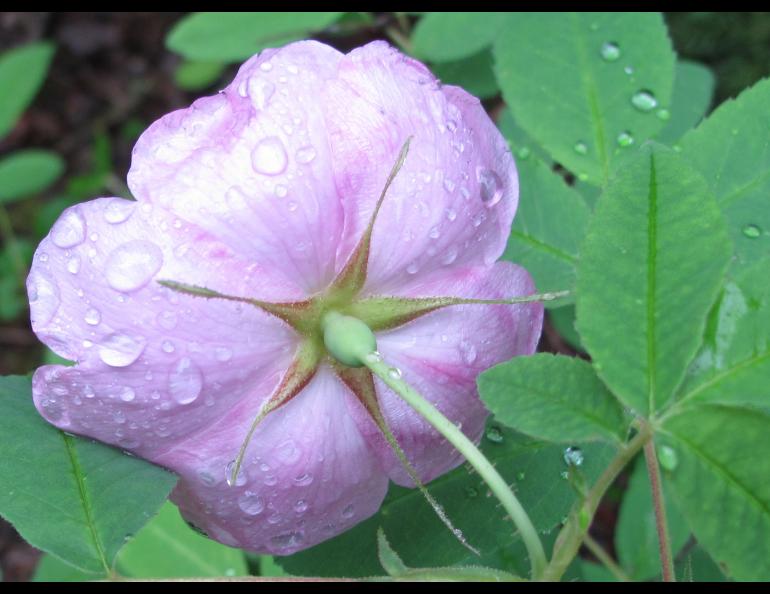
x,y
265,193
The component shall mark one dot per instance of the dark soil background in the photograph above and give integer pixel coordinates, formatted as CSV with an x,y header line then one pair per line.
x,y
112,76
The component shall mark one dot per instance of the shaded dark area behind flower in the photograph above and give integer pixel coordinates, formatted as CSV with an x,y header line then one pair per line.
x,y
112,76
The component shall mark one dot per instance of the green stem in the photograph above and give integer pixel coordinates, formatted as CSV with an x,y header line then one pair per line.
x,y
576,527
466,447
659,505
605,559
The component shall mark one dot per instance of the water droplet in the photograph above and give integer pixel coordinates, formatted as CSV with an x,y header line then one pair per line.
x,y
118,210
260,91
451,214
305,154
629,70
280,190
610,51
449,185
471,492
287,540
450,256
663,114
625,139
491,186
494,434
349,511
521,476
132,265
394,373
751,231
564,474
644,101
573,456
668,458
43,297
467,352
251,503
185,381
288,452
240,479
303,480
266,66
120,350
269,156
127,394
207,478
301,506
69,230
167,320
374,357
270,480
168,346
524,152
434,233
73,264
581,148
582,176
412,268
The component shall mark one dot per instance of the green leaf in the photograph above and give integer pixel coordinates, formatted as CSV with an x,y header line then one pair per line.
x,y
693,92
74,498
548,228
474,74
389,559
194,76
733,366
235,36
422,540
731,148
595,572
569,98
696,566
555,398
636,537
23,70
449,36
650,270
28,172
51,569
167,547
563,320
722,481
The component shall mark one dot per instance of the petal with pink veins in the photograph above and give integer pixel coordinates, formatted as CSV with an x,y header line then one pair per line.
x,y
442,353
308,473
152,364
454,199
252,165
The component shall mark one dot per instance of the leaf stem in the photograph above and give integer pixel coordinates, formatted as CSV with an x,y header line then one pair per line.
x,y
466,447
659,505
576,527
603,556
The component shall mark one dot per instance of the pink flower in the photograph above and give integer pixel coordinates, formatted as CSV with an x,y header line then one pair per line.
x,y
264,191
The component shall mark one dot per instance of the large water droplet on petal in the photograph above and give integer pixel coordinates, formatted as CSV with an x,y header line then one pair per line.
x,y
120,350
118,210
127,394
269,156
260,92
92,317
491,186
44,297
185,382
251,503
287,540
69,230
240,479
132,265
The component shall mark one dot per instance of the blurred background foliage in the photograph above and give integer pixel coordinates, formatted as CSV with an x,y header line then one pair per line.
x,y
92,82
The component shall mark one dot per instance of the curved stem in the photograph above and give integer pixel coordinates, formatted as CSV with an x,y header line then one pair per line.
x,y
576,527
466,447
603,556
659,505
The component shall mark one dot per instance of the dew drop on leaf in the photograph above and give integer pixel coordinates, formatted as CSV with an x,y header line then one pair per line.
x,y
644,101
610,51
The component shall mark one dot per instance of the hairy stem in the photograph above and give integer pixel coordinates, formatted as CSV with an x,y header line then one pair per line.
x,y
659,505
576,527
605,559
466,447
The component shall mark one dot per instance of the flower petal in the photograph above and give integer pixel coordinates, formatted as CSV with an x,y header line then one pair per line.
x,y
308,473
146,354
442,353
252,164
453,201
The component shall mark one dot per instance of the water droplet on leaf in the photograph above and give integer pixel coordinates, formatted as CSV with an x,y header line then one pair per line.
x,y
751,231
573,456
610,51
644,101
494,434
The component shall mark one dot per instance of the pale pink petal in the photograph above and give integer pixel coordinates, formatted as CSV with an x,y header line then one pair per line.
x,y
307,476
252,165
441,355
453,201
153,364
